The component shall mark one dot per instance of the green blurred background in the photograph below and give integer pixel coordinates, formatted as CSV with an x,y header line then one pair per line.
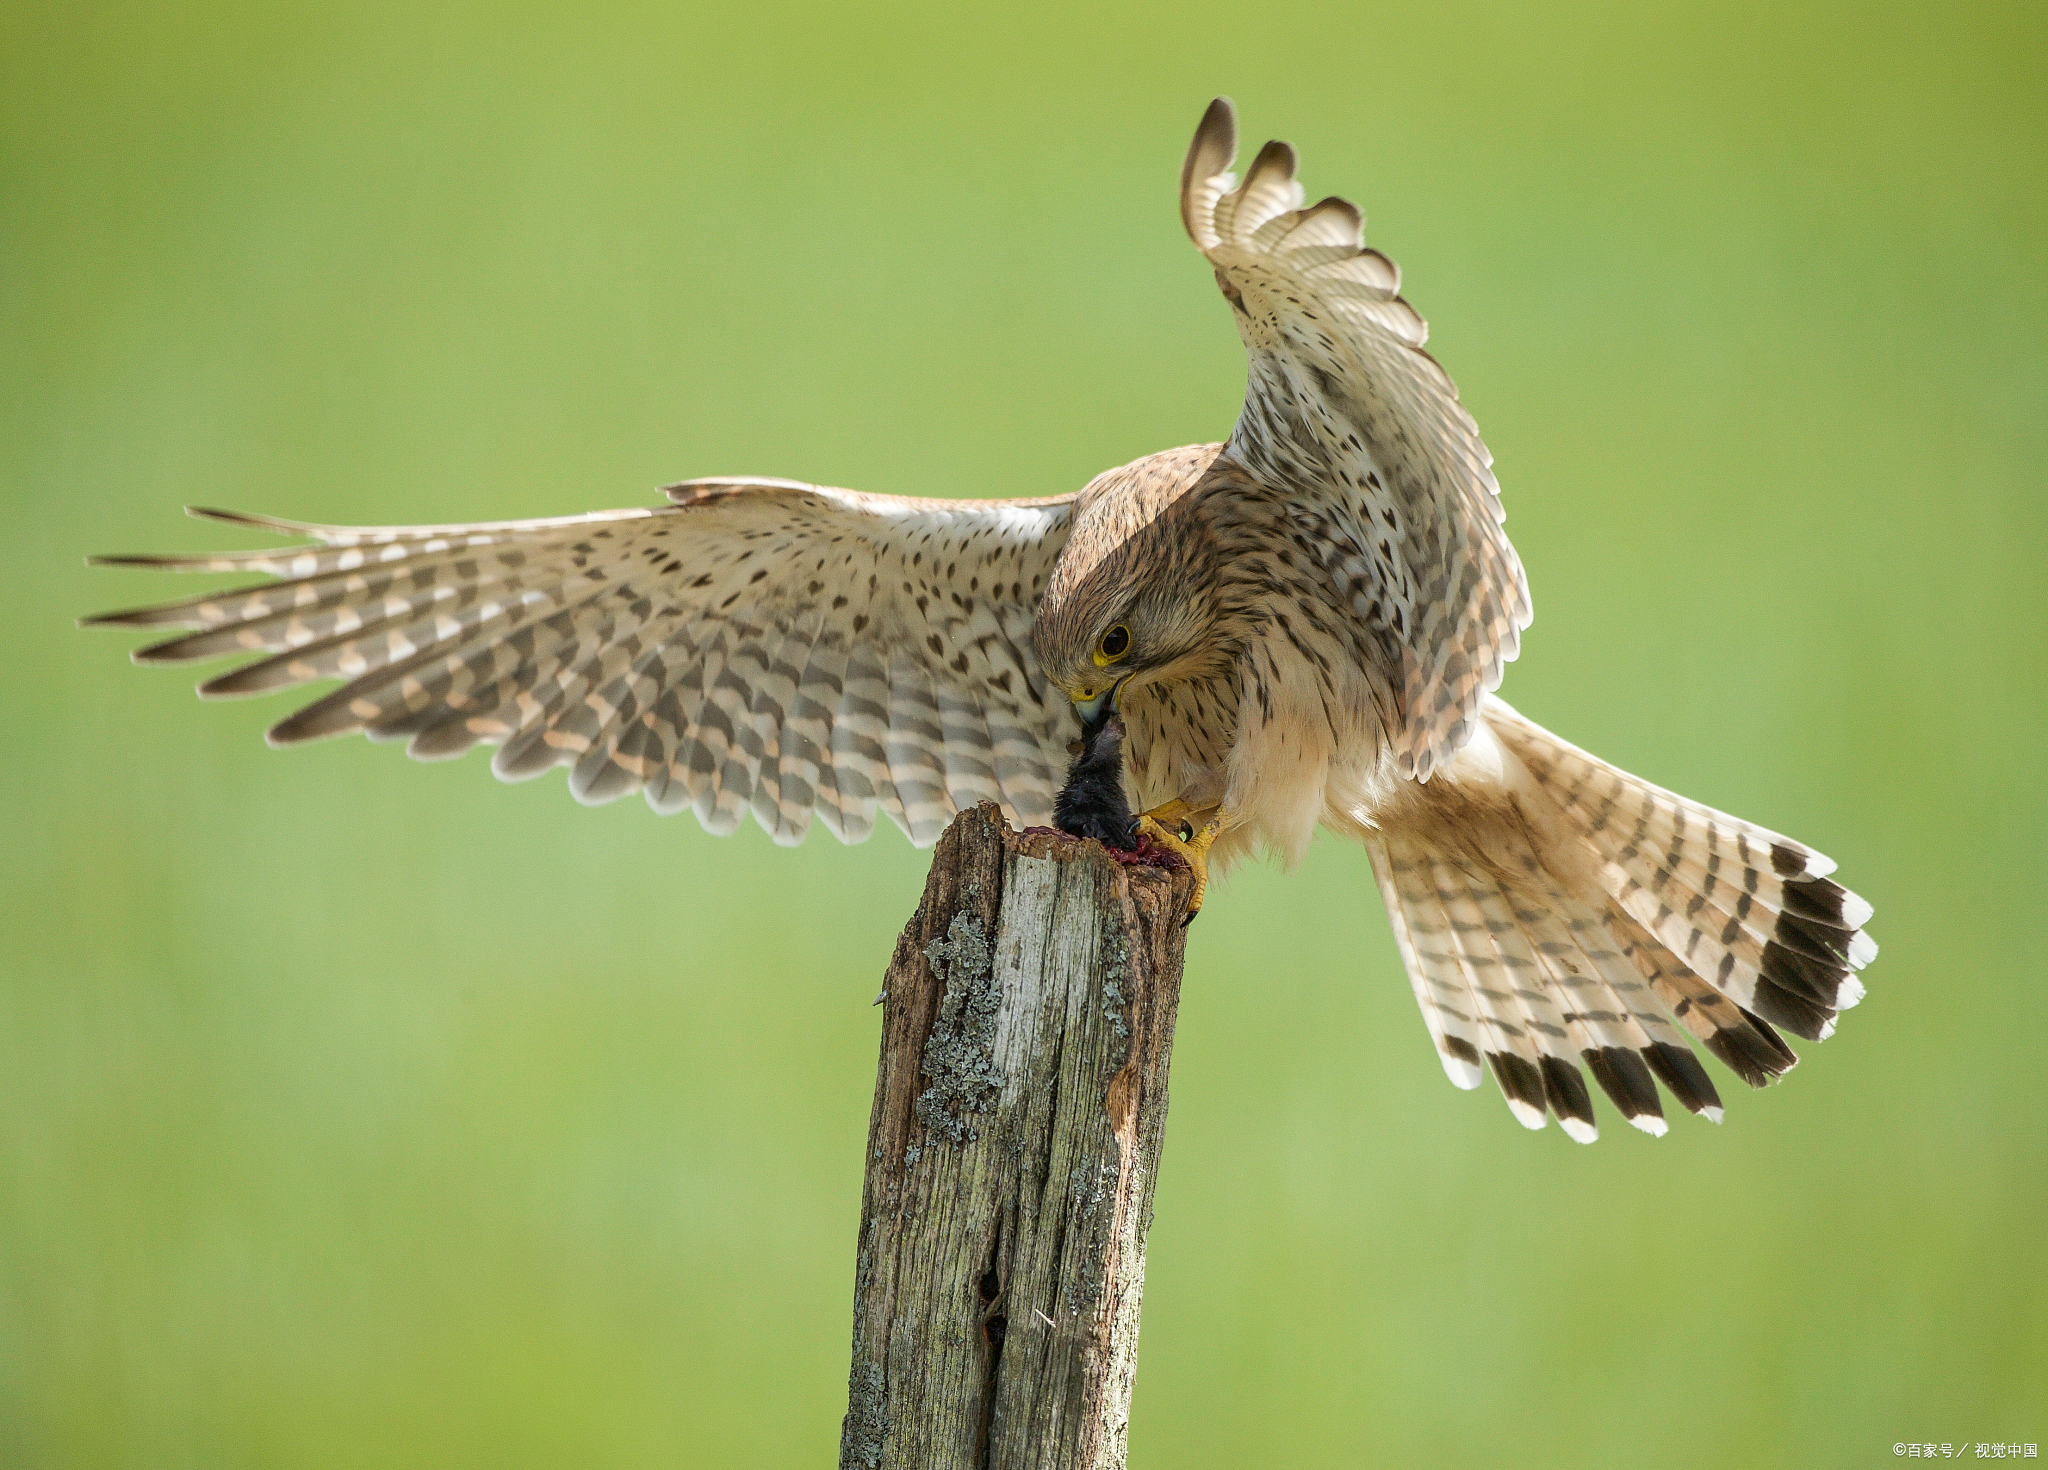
x,y
354,1112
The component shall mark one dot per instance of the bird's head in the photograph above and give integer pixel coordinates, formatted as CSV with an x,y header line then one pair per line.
x,y
1096,645
1131,600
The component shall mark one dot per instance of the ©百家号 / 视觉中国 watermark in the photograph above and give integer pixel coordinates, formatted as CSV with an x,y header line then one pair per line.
x,y
1978,1450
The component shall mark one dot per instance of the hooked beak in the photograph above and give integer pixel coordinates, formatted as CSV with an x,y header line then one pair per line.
x,y
1091,710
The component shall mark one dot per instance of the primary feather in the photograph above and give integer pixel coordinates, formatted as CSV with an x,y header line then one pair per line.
x,y
759,647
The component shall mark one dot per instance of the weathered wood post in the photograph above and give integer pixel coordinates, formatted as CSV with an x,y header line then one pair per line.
x,y
1019,1111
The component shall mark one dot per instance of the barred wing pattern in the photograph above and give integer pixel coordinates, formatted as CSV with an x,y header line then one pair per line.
x,y
1345,410
760,645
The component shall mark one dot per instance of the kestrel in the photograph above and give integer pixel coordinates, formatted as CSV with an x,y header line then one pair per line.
x,y
1297,627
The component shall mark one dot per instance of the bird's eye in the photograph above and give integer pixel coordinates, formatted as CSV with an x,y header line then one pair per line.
x,y
1115,644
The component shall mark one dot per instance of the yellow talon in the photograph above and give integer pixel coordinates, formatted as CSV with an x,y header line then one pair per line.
x,y
1183,829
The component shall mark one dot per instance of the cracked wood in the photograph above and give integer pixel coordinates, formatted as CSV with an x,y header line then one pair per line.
x,y
1020,1108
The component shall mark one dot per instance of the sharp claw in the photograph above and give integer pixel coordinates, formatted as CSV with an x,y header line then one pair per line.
x,y
1188,840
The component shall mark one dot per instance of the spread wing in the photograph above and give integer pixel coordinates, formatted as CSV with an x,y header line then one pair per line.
x,y
1345,410
758,645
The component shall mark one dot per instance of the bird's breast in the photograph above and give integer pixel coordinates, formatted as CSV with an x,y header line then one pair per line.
x,y
1288,737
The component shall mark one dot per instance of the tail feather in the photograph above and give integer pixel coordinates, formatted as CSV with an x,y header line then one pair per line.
x,y
1589,971
1602,999
1559,1033
1438,982
1696,879
1684,1078
1743,1042
1584,916
1514,1052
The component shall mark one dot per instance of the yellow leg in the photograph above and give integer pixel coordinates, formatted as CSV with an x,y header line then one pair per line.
x,y
1189,831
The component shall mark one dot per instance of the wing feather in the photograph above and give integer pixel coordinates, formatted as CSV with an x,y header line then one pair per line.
x,y
1347,413
758,646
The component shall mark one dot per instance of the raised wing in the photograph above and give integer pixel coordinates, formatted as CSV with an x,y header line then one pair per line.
x,y
1346,412
759,645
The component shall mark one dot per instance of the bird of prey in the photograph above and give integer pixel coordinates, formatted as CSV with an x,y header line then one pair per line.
x,y
1301,626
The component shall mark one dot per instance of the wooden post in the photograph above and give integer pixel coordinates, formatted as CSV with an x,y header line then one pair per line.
x,y
1019,1111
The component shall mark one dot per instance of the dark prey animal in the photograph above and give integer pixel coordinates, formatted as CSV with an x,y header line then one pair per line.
x,y
1093,803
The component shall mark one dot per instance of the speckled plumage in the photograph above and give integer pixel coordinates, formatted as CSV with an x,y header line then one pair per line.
x,y
1316,612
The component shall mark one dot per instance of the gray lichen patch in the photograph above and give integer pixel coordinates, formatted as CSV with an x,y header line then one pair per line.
x,y
1116,963
963,954
865,1437
959,1058
1087,1197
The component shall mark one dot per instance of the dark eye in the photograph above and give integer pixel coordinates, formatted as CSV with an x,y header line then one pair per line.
x,y
1116,642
